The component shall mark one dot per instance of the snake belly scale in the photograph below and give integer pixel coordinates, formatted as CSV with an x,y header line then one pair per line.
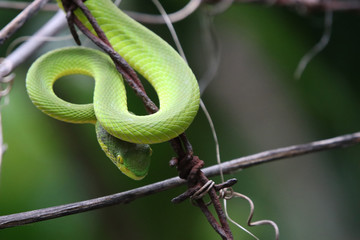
x,y
150,56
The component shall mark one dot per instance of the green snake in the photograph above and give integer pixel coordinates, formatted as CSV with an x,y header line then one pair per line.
x,y
122,135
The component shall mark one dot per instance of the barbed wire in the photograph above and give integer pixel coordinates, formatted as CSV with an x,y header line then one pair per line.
x,y
228,167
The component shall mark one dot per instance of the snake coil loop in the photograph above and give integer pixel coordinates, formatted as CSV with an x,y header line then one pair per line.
x,y
149,55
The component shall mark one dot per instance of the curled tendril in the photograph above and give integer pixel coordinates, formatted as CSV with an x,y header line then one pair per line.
x,y
228,194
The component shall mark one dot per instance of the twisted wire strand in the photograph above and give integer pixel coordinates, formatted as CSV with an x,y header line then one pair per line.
x,y
203,190
234,222
8,81
177,16
250,223
320,46
221,7
212,50
199,194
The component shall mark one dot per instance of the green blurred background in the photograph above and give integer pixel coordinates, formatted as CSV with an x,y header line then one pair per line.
x,y
256,105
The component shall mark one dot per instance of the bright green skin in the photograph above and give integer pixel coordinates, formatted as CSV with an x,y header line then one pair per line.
x,y
150,56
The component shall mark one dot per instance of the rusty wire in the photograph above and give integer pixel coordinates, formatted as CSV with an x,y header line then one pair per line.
x,y
228,167
188,165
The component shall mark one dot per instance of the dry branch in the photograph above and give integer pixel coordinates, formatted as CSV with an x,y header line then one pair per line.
x,y
310,5
21,5
23,52
23,218
20,19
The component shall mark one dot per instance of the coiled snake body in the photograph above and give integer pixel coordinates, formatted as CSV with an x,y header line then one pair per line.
x,y
150,56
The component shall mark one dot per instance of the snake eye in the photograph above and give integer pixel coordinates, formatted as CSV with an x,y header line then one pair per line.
x,y
119,159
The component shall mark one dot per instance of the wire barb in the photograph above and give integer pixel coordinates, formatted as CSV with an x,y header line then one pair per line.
x,y
203,190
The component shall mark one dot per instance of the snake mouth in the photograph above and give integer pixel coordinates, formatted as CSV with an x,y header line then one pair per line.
x,y
121,165
129,173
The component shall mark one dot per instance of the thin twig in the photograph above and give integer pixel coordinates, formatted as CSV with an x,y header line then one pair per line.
x,y
193,5
24,51
23,218
57,23
22,5
20,19
250,222
177,16
320,46
350,5
2,148
181,14
286,152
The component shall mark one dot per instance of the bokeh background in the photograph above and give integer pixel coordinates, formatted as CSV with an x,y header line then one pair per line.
x,y
256,105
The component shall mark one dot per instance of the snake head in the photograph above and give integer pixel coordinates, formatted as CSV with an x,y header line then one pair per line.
x,y
132,159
